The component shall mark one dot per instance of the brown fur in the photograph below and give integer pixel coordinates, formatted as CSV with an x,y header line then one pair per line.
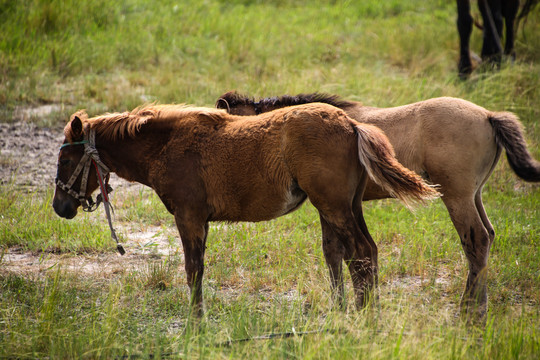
x,y
207,165
451,142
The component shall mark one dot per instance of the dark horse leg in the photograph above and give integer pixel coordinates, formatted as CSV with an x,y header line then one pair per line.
x,y
464,25
193,235
359,215
344,237
491,11
358,253
509,12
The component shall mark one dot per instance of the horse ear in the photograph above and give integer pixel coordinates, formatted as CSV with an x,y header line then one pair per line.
x,y
76,127
222,104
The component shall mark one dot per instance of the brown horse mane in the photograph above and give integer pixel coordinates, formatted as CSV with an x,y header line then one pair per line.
x,y
113,126
234,99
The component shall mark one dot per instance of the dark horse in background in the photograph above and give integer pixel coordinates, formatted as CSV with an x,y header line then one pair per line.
x,y
493,12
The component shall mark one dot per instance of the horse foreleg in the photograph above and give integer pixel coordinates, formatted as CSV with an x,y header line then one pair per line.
x,y
464,25
509,12
333,253
476,241
193,236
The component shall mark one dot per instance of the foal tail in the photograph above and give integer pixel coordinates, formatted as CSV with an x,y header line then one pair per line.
x,y
377,156
509,135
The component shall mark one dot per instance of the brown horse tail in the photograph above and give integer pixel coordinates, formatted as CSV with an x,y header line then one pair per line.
x,y
376,154
509,135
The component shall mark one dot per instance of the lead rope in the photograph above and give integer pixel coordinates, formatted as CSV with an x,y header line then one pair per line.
x,y
107,206
91,150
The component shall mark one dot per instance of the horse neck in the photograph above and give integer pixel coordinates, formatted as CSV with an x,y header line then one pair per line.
x,y
126,157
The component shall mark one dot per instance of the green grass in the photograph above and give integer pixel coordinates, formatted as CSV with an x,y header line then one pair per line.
x,y
40,229
266,277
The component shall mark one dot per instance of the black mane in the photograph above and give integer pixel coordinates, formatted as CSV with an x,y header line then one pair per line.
x,y
233,99
290,100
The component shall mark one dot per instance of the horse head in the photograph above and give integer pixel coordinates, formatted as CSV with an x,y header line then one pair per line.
x,y
76,177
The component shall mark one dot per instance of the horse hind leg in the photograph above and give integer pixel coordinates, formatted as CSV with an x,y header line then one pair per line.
x,y
476,241
333,253
478,199
493,25
358,254
483,215
359,215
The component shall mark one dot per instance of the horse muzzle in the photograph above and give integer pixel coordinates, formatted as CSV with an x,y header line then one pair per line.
x,y
66,208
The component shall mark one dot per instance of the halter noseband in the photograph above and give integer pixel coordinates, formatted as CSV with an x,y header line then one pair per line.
x,y
89,157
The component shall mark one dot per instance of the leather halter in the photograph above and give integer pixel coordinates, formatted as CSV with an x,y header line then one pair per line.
x,y
90,156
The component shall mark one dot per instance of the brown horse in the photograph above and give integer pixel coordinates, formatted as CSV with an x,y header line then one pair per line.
x,y
207,165
450,142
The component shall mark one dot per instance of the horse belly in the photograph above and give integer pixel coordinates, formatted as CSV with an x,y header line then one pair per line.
x,y
273,205
255,203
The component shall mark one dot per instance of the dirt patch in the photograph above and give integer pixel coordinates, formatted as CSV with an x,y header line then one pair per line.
x,y
28,154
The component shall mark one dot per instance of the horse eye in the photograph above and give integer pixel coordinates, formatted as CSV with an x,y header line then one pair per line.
x,y
64,162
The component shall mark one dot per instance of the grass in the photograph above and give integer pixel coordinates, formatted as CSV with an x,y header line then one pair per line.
x,y
266,277
40,229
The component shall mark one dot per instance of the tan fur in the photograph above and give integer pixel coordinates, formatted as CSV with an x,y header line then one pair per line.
x,y
450,142
115,126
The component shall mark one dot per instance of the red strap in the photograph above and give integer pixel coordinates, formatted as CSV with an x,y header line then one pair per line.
x,y
101,186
